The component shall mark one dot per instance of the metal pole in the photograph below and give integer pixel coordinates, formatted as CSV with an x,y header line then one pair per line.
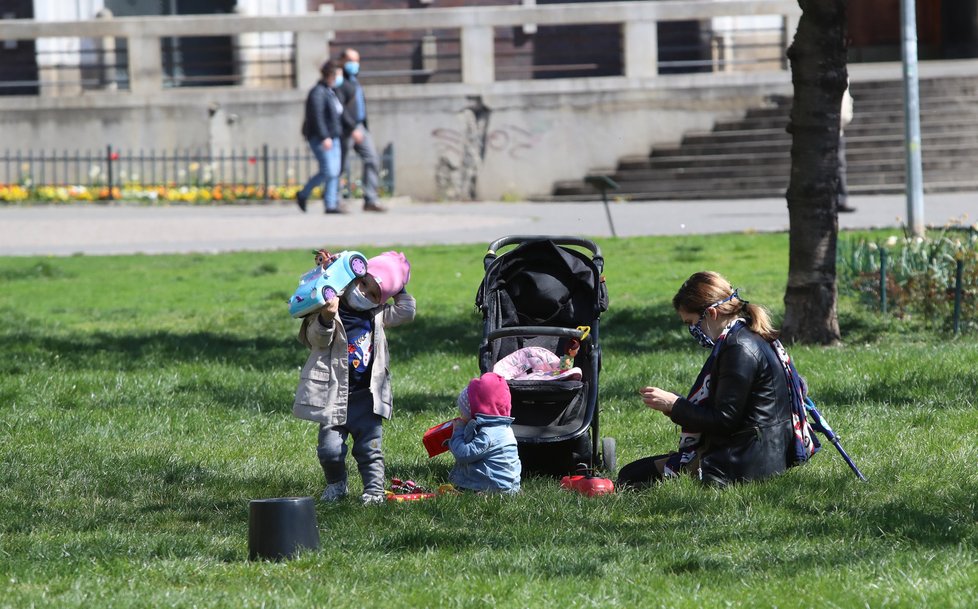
x,y
911,112
883,258
958,280
264,164
607,211
108,163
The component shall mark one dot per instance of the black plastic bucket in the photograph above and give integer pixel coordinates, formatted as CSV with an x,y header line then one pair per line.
x,y
280,528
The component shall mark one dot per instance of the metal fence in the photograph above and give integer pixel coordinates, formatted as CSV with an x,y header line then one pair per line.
x,y
113,171
934,278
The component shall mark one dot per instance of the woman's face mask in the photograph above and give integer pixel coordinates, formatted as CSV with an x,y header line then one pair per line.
x,y
357,300
696,331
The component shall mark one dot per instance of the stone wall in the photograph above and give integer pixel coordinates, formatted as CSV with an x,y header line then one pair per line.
x,y
449,144
482,136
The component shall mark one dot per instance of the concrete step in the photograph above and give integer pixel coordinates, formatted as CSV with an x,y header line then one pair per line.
x,y
930,87
966,131
929,142
933,119
773,192
964,156
782,166
888,107
776,178
751,157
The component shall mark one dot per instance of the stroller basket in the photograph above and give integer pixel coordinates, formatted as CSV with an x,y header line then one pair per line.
x,y
548,410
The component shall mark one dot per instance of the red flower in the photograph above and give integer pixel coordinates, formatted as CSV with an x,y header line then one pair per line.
x,y
114,156
252,160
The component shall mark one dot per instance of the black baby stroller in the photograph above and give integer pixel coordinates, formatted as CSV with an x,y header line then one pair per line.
x,y
549,293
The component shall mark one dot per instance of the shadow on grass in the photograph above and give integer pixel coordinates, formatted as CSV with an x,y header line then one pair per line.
x,y
895,392
659,521
127,352
648,329
627,330
455,336
178,507
23,347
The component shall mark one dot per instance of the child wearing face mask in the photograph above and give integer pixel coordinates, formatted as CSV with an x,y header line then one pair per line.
x,y
345,385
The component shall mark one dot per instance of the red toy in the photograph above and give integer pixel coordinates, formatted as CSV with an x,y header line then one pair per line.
x,y
588,484
407,490
436,438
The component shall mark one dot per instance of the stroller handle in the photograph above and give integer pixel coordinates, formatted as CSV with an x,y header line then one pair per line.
x,y
558,239
535,331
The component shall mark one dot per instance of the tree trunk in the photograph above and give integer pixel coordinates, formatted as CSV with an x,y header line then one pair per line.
x,y
819,77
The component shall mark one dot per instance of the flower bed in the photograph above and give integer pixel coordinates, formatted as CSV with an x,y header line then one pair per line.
x,y
219,193
920,272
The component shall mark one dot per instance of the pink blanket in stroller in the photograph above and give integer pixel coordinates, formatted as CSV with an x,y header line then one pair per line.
x,y
534,364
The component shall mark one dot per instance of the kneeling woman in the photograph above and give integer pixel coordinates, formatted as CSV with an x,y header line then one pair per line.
x,y
736,420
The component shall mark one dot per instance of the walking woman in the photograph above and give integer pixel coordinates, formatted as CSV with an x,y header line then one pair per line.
x,y
322,129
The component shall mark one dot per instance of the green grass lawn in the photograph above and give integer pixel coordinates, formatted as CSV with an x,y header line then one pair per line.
x,y
144,400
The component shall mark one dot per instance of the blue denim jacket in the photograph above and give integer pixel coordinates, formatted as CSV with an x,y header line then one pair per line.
x,y
485,455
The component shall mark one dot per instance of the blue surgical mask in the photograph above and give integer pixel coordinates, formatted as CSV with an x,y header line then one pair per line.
x,y
352,67
357,300
338,82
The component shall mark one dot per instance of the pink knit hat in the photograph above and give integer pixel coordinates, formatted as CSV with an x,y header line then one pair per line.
x,y
392,272
489,395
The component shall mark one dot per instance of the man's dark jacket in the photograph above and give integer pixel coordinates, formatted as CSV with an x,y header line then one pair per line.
x,y
347,92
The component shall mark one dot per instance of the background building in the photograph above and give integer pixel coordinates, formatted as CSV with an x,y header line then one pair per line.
x,y
467,110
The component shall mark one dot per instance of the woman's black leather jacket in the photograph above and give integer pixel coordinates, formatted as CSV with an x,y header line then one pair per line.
x,y
746,420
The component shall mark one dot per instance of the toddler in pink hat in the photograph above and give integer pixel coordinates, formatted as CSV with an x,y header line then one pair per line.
x,y
483,443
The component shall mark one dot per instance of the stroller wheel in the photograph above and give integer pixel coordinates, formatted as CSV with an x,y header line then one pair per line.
x,y
609,460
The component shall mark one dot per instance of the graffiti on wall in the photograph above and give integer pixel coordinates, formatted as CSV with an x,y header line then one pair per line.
x,y
462,152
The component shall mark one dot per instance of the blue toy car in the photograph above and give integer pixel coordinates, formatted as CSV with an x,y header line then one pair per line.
x,y
327,280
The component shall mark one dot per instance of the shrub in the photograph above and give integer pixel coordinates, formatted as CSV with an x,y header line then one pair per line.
x,y
920,273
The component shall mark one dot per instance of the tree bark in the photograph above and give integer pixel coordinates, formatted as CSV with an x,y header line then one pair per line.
x,y
819,77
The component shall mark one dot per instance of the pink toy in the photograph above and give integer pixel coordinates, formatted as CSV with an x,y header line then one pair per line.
x,y
537,364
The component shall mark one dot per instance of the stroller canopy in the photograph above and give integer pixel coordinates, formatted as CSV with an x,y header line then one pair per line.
x,y
542,284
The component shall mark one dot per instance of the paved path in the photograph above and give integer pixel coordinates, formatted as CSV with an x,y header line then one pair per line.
x,y
123,229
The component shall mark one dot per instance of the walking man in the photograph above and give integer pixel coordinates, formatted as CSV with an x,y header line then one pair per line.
x,y
355,131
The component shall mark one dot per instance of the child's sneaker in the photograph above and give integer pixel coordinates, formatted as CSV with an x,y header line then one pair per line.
x,y
334,492
371,499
